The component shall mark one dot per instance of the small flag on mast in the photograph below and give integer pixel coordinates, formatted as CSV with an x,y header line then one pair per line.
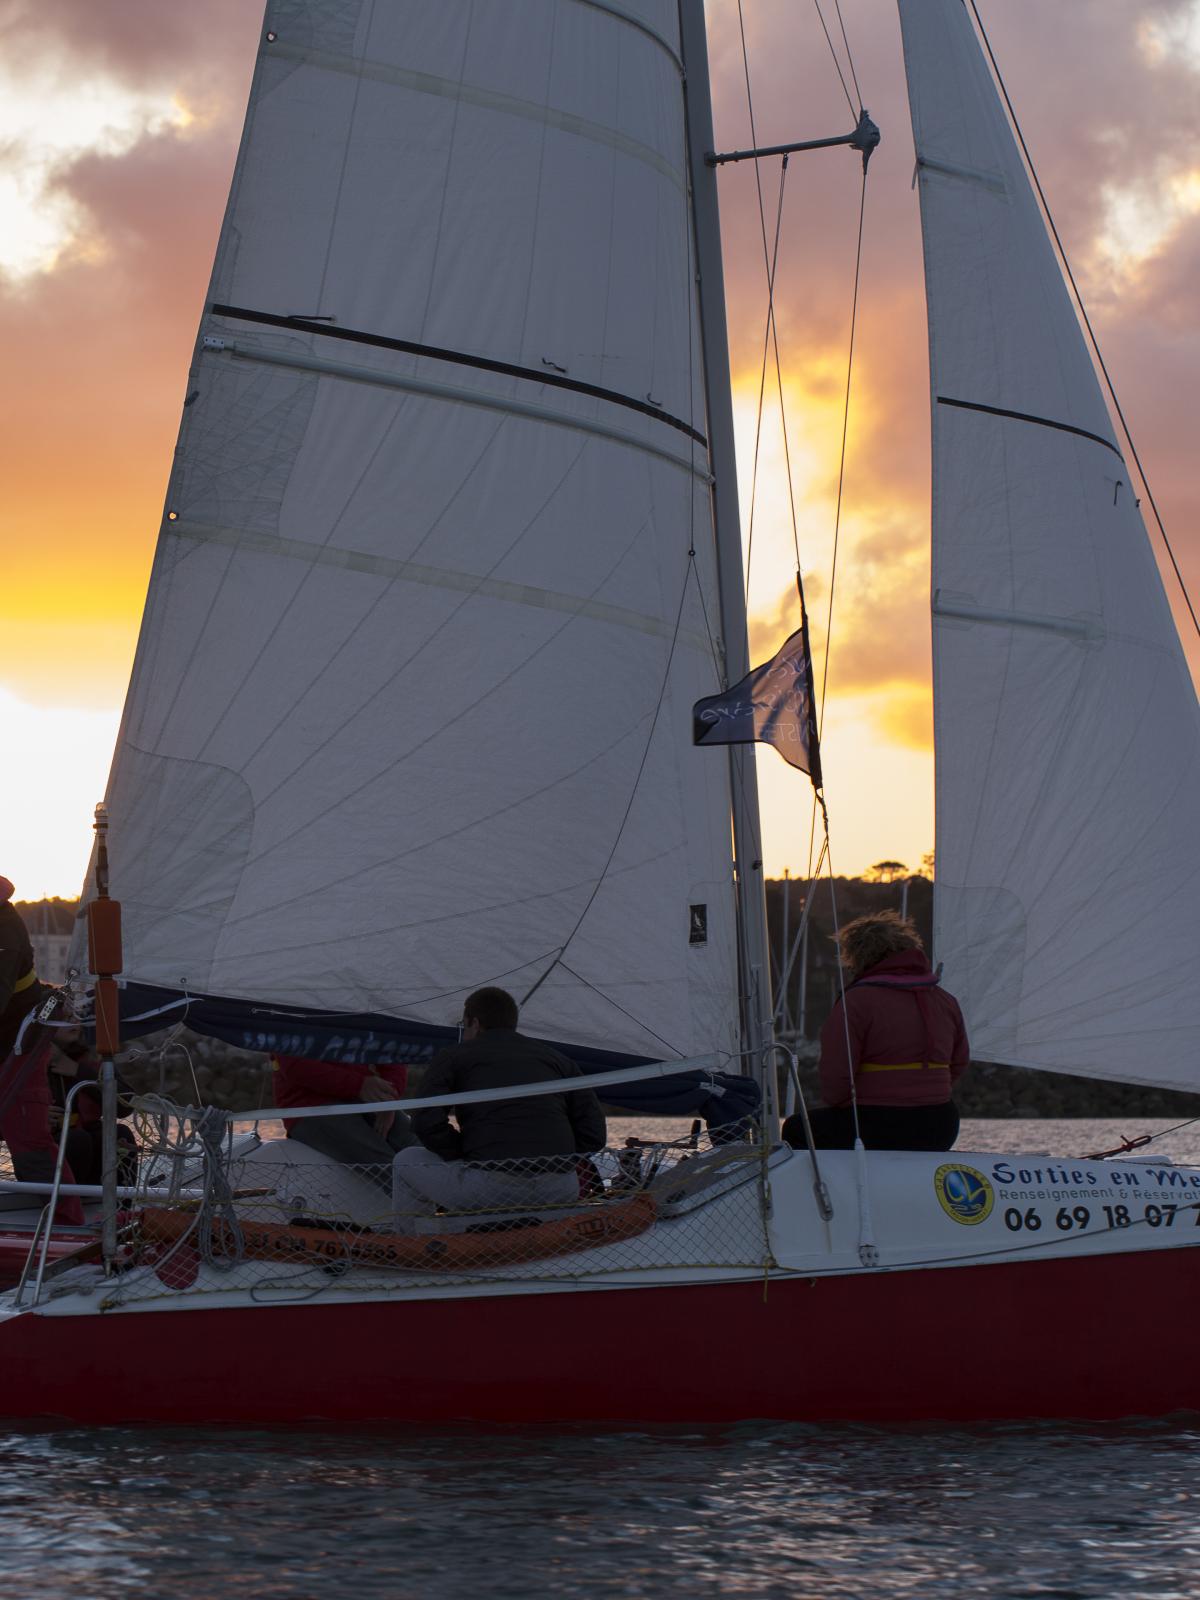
x,y
773,704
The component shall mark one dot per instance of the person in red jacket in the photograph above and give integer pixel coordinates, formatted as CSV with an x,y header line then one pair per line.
x,y
370,1141
21,990
896,1045
24,1089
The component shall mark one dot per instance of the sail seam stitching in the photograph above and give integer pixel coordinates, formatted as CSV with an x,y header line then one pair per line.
x,y
467,397
486,99
992,181
630,21
961,612
434,577
1026,416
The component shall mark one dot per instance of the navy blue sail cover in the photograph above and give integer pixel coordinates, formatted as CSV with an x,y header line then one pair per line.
x,y
721,1098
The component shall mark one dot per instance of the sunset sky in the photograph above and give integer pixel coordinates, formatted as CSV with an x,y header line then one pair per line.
x,y
118,128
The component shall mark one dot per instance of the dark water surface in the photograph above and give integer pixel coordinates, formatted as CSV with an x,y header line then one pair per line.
x,y
1012,1512
1009,1512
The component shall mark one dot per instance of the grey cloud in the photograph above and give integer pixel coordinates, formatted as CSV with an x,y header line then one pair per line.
x,y
137,41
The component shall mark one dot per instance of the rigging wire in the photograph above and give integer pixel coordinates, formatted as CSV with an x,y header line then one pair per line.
x,y
790,955
841,971
849,53
769,266
837,521
1142,1139
1083,313
608,1000
833,52
762,214
633,793
787,449
867,1251
762,381
739,769
770,336
770,259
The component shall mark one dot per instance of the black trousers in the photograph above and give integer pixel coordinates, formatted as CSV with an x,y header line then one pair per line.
x,y
882,1127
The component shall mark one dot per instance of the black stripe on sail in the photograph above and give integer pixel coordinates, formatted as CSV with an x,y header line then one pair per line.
x,y
1025,416
460,358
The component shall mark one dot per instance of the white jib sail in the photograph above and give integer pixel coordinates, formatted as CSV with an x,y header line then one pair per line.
x,y
1066,724
432,599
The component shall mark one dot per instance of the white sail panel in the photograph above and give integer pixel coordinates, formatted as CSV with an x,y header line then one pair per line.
x,y
411,706
1066,724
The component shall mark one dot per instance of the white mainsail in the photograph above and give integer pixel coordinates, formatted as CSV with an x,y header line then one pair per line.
x,y
1066,724
435,588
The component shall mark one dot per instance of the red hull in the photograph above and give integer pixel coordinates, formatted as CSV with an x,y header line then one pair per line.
x,y
1061,1338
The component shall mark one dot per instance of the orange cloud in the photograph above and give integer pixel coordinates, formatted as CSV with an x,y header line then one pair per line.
x,y
101,341
905,716
97,350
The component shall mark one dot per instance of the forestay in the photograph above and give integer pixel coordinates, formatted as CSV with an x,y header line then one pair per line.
x,y
1068,740
432,597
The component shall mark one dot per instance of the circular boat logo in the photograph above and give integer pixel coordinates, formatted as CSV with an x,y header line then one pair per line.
x,y
963,1193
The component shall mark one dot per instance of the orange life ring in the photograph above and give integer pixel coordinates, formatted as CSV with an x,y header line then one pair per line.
x,y
448,1252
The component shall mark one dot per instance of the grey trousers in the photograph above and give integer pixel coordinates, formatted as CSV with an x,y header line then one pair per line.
x,y
354,1142
422,1181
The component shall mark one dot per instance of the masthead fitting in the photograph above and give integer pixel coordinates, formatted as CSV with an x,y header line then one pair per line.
x,y
866,137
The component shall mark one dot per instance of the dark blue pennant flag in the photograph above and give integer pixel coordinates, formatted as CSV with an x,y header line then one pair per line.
x,y
773,704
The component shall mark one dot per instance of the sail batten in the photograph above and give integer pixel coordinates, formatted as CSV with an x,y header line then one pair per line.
x,y
1066,725
462,93
1025,416
441,578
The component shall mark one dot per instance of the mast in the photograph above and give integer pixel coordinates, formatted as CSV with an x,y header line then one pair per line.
x,y
714,343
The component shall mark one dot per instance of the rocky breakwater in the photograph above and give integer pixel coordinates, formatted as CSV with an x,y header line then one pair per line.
x,y
192,1070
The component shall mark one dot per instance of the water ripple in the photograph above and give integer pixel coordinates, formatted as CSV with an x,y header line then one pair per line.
x,y
1011,1513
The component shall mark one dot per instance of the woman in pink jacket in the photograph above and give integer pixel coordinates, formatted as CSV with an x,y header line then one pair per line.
x,y
896,1046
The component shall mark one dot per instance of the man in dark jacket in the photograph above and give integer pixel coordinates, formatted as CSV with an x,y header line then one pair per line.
x,y
528,1147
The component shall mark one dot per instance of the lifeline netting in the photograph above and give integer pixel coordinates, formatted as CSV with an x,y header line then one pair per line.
x,y
217,1212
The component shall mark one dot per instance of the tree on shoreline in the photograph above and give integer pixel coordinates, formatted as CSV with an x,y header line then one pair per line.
x,y
885,872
